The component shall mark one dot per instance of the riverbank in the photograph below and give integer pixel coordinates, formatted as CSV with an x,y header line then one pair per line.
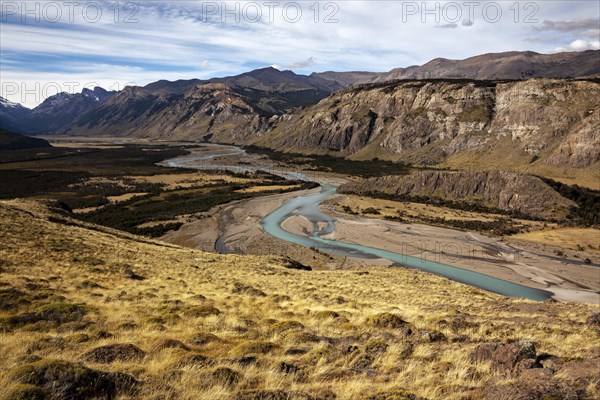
x,y
516,261
235,228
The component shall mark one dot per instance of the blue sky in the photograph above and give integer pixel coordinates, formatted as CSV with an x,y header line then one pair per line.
x,y
47,46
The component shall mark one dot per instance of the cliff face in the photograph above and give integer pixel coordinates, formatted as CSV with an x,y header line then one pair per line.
x,y
425,122
498,189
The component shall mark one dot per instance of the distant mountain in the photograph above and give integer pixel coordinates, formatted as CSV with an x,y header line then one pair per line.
x,y
209,109
403,119
530,125
228,109
62,109
273,80
11,113
509,65
164,87
346,79
13,141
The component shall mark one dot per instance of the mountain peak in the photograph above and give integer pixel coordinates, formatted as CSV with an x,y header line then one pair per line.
x,y
96,94
5,103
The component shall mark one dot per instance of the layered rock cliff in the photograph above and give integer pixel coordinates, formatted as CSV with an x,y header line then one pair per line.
x,y
549,121
508,191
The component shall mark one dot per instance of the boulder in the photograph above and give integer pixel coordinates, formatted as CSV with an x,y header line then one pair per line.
x,y
512,358
483,352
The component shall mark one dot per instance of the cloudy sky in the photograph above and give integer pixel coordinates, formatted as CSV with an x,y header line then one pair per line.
x,y
50,46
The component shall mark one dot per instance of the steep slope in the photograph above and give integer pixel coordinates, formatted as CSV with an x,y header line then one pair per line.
x,y
14,141
11,113
497,189
191,116
88,312
62,109
500,124
509,65
230,109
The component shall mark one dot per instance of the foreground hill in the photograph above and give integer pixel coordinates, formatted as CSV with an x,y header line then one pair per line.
x,y
89,312
14,141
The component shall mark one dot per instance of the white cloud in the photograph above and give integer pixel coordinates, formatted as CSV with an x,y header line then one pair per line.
x,y
174,40
570,26
309,62
580,45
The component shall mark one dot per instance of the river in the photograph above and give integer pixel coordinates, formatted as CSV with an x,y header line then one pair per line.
x,y
308,207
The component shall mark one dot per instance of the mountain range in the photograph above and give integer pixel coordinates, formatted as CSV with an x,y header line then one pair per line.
x,y
519,108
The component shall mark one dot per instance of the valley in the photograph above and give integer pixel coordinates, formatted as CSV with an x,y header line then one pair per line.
x,y
429,232
213,202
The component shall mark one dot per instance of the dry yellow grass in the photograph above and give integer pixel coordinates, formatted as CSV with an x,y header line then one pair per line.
x,y
587,239
416,212
411,210
246,323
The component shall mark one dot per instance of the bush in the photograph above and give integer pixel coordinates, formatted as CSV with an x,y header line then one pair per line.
x,y
62,379
386,320
54,313
222,376
285,326
201,311
248,348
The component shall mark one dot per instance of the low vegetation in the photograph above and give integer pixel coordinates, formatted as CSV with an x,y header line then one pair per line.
x,y
118,186
328,163
89,312
587,212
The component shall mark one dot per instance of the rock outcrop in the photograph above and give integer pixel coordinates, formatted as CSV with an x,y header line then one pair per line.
x,y
542,121
504,190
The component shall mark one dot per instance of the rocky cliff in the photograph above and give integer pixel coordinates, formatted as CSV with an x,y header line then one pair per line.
x,y
543,121
508,191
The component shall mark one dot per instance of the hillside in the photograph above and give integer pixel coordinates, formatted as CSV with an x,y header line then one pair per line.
x,y
14,141
90,312
11,113
266,92
538,126
508,65
502,190
230,109
61,110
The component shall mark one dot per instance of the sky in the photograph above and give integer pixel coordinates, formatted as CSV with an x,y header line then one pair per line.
x,y
53,46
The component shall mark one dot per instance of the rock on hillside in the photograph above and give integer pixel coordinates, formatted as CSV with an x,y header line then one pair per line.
x,y
497,189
